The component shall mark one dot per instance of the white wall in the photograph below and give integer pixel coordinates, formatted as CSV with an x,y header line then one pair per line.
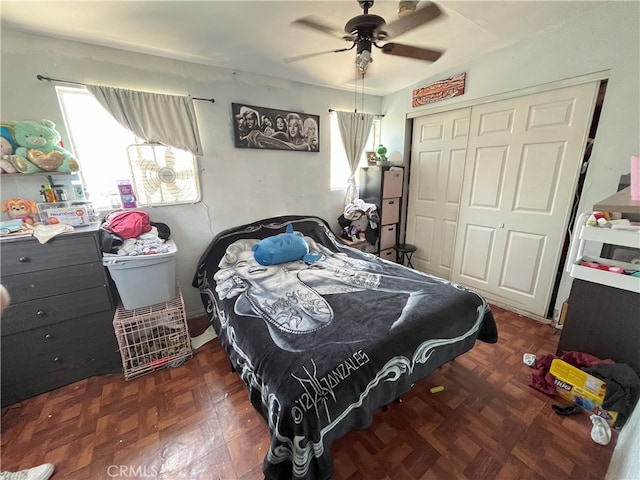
x,y
606,38
239,185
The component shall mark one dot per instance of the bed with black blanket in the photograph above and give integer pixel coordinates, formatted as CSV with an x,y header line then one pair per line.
x,y
322,345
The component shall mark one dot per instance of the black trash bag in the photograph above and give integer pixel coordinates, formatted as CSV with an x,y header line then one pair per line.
x,y
164,232
110,242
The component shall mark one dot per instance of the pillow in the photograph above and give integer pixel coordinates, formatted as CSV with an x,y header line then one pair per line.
x,y
284,247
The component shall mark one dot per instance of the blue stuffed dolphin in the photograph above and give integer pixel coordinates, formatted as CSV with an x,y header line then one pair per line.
x,y
284,247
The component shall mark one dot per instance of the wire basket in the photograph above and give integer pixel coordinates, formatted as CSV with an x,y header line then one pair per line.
x,y
152,337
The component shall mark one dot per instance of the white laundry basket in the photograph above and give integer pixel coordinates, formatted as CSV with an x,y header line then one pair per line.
x,y
144,280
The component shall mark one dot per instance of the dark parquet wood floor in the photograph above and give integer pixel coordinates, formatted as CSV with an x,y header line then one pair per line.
x,y
195,422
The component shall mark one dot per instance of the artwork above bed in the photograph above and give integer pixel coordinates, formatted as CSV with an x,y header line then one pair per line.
x,y
271,129
322,345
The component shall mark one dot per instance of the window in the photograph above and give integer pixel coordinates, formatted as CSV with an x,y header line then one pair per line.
x,y
339,164
160,175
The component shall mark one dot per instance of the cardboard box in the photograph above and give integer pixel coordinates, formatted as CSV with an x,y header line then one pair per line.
x,y
74,216
579,387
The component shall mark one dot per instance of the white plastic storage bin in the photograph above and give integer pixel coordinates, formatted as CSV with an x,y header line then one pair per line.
x,y
144,280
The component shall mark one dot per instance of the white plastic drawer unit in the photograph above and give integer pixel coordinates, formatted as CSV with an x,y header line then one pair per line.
x,y
390,211
387,236
388,254
392,183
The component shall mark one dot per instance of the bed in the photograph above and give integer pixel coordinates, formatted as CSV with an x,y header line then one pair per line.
x,y
322,345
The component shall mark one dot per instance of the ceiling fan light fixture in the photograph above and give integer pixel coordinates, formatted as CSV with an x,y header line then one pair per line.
x,y
405,7
363,59
363,56
368,30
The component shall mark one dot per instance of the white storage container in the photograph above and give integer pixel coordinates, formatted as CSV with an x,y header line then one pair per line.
x,y
144,280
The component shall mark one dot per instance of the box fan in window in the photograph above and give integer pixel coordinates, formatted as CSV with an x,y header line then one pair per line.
x,y
163,175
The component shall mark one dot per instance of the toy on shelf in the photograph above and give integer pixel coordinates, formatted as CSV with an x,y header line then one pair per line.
x,y
38,148
382,153
20,209
599,219
7,147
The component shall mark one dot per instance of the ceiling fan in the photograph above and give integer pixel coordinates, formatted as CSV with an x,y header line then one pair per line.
x,y
366,30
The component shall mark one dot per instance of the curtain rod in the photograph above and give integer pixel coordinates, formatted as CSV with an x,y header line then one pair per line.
x,y
49,79
375,115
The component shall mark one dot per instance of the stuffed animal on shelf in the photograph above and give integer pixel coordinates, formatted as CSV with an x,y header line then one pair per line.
x,y
20,209
599,219
38,149
7,147
382,153
284,247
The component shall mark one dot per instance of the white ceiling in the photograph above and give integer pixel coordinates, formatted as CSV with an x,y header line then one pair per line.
x,y
255,36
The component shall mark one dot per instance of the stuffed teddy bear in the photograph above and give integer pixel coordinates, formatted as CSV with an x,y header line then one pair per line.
x,y
38,149
20,209
7,147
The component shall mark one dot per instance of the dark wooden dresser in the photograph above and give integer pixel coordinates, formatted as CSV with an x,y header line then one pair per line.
x,y
59,326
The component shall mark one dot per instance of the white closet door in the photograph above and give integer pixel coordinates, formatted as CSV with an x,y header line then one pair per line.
x,y
522,165
437,165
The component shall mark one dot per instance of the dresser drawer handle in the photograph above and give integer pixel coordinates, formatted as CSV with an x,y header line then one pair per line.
x,y
391,202
41,314
56,359
24,259
47,336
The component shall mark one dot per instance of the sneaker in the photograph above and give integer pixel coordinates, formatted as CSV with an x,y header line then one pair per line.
x,y
41,472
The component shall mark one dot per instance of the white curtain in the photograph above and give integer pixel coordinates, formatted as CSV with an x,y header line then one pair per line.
x,y
167,119
354,131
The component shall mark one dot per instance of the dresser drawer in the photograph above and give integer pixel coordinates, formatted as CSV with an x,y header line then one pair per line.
x,y
388,254
19,317
392,183
387,236
63,346
390,211
31,286
32,256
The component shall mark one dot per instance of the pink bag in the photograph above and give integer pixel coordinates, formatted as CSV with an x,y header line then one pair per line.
x,y
128,224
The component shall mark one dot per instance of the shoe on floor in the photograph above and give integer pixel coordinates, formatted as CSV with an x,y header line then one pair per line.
x,y
41,472
601,432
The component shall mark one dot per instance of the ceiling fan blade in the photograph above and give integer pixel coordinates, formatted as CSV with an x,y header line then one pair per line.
x,y
315,24
409,22
309,55
412,52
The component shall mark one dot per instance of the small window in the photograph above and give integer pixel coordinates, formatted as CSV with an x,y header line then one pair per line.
x,y
109,153
339,163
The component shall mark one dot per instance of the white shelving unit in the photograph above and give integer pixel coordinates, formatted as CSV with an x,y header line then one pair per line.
x,y
602,312
587,233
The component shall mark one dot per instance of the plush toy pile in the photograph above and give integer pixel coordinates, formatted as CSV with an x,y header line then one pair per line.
x,y
32,147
